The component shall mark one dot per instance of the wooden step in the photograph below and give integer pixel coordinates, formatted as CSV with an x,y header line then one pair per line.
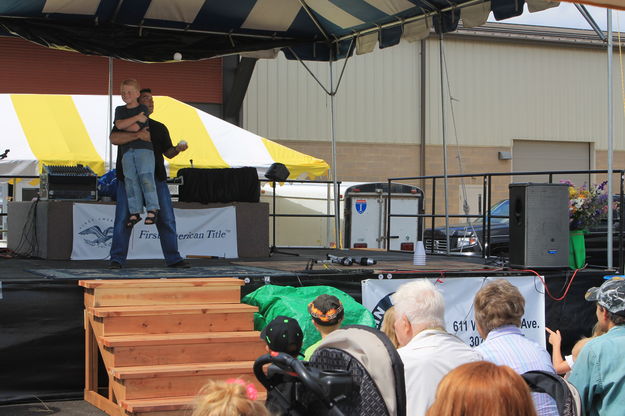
x,y
168,406
145,382
124,320
135,292
161,349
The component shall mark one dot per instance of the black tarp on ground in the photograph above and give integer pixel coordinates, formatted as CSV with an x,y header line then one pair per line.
x,y
42,338
41,341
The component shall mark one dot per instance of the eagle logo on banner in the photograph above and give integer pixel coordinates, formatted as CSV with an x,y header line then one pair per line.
x,y
101,237
361,205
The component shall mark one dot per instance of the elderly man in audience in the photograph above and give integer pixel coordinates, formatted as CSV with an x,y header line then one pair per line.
x,y
498,308
599,371
427,350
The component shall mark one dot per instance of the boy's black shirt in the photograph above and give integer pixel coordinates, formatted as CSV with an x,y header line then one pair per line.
x,y
161,142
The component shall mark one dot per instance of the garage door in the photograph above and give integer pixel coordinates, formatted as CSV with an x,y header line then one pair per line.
x,y
532,155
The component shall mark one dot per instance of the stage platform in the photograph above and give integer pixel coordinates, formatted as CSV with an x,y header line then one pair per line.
x,y
41,304
289,261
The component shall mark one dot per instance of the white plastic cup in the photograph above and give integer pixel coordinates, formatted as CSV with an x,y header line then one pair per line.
x,y
419,254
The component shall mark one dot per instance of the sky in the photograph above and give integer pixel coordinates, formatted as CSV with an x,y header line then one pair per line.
x,y
567,15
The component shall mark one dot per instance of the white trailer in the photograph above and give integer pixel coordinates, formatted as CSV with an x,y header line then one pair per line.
x,y
316,199
367,222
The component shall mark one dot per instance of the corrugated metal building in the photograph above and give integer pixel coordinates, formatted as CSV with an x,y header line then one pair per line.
x,y
537,94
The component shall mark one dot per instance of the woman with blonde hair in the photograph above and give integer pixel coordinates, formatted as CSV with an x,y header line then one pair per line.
x,y
482,388
388,326
234,397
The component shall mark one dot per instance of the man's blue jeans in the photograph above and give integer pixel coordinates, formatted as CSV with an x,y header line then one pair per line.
x,y
166,225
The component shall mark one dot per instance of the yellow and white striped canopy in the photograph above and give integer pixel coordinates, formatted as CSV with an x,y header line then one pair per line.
x,y
70,129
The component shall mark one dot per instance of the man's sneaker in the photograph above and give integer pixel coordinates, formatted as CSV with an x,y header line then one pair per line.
x,y
180,265
115,265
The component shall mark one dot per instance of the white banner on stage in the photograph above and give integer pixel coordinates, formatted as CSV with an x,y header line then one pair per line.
x,y
459,293
205,232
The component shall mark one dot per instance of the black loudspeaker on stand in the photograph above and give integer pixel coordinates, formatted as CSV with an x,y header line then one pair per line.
x,y
539,225
277,172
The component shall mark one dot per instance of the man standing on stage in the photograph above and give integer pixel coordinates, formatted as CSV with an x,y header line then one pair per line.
x,y
158,134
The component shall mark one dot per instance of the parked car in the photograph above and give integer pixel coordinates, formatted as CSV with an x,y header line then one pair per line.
x,y
466,239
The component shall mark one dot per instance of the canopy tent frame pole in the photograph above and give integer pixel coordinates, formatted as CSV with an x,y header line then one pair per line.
x,y
331,92
610,139
584,12
443,132
337,203
109,115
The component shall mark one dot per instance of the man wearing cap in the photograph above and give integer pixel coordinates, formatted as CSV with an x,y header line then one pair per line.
x,y
327,314
599,371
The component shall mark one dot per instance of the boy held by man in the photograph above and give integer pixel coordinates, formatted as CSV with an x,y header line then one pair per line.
x,y
137,156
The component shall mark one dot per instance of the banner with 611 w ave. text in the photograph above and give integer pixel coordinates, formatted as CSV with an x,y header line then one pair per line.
x,y
459,293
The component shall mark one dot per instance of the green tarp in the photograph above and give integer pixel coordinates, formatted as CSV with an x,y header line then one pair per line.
x,y
293,302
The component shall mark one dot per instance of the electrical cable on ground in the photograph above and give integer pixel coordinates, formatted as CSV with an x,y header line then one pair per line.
x,y
566,291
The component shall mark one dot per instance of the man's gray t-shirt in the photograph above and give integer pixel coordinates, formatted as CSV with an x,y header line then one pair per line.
x,y
121,113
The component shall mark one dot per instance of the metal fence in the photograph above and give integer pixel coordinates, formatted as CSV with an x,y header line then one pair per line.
x,y
487,202
274,214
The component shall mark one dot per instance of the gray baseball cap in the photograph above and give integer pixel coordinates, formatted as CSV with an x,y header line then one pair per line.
x,y
611,295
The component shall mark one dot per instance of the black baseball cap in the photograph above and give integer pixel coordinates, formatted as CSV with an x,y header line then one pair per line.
x,y
283,334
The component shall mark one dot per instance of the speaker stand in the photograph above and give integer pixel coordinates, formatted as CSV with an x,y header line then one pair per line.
x,y
273,249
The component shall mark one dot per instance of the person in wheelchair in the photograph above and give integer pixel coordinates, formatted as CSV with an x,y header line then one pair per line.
x,y
355,371
283,335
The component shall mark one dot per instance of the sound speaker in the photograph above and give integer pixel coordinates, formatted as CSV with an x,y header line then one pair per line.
x,y
539,225
277,172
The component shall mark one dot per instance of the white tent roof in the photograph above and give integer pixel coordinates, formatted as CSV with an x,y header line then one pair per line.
x,y
70,129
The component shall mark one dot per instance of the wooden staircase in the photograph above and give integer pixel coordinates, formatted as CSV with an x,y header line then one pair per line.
x,y
162,339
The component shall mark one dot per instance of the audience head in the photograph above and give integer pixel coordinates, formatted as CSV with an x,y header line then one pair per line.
x,y
234,397
418,306
326,312
498,303
388,325
482,388
577,348
610,298
597,330
283,334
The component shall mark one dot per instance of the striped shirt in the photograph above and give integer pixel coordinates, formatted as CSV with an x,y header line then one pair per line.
x,y
506,345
